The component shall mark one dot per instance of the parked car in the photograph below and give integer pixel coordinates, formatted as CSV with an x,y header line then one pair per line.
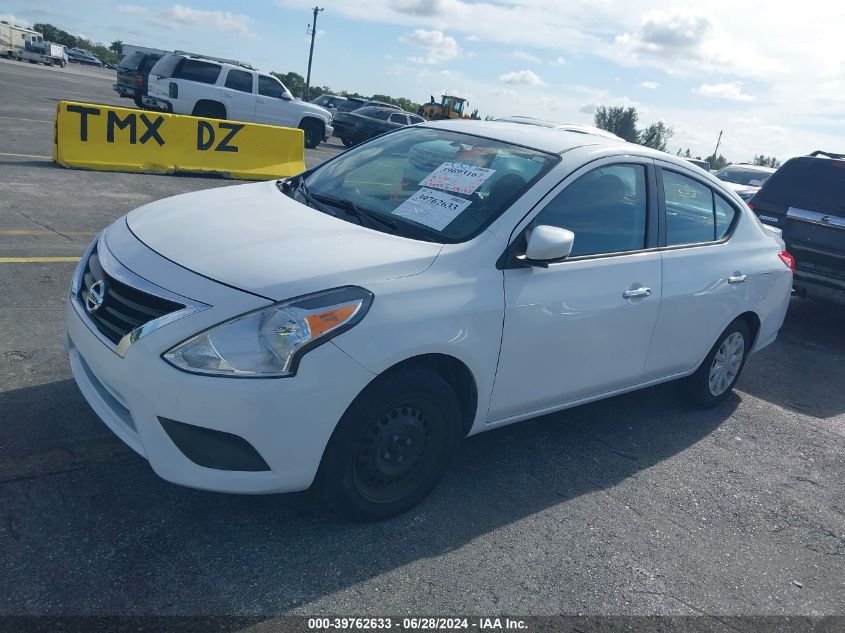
x,y
805,199
353,103
365,123
705,165
746,180
133,74
329,102
80,56
227,89
346,330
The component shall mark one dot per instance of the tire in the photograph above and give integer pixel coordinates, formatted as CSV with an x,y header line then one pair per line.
x,y
313,133
138,103
209,110
62,64
347,142
715,378
411,415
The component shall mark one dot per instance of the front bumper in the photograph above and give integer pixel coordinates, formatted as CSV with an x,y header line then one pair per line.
x,y
288,421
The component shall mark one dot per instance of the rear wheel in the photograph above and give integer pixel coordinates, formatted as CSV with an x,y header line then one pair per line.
x,y
715,378
138,102
392,446
313,133
347,142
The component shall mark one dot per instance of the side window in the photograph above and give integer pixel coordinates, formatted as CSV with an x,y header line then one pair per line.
x,y
689,210
195,70
398,118
605,208
416,119
239,80
269,87
724,216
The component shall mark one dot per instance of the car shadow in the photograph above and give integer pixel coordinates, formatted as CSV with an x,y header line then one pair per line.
x,y
83,503
810,345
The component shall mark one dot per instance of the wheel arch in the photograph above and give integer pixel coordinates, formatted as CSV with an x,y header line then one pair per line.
x,y
210,102
752,320
452,370
307,119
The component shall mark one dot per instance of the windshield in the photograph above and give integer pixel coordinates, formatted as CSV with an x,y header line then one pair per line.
x,y
434,184
740,176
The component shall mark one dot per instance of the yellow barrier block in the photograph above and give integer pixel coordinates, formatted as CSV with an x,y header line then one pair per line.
x,y
95,136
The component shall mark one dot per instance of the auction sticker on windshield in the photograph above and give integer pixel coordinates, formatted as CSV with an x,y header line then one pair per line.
x,y
458,177
431,208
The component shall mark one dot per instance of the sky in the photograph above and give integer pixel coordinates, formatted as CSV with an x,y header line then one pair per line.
x,y
769,75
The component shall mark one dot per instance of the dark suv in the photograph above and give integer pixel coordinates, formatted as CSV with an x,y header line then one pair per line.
x,y
133,71
805,198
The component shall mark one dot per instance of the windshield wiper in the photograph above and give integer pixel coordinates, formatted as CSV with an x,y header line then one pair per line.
x,y
364,216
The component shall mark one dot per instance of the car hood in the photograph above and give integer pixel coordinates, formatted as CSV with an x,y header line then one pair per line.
x,y
257,239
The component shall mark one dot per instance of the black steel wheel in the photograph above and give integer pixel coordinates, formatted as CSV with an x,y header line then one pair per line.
x,y
392,446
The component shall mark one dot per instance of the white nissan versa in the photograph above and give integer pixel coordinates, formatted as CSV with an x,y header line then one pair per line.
x,y
349,326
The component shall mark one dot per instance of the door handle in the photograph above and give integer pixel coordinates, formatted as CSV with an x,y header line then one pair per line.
x,y
636,292
737,279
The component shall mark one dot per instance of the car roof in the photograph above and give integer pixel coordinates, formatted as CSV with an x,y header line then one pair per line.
x,y
554,140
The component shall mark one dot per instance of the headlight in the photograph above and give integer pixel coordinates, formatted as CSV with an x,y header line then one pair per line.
x,y
269,342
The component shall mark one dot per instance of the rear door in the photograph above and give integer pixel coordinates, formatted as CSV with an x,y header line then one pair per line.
x,y
805,198
706,275
238,94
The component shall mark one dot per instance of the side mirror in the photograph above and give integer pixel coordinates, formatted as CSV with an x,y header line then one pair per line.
x,y
287,96
548,244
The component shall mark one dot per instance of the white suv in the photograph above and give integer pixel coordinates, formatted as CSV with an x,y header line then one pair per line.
x,y
226,89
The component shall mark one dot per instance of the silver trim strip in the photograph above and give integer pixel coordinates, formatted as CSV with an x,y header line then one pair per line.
x,y
813,217
113,267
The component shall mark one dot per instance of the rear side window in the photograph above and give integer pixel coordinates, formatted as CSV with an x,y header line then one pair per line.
x,y
239,80
694,212
269,87
605,208
195,70
415,119
814,184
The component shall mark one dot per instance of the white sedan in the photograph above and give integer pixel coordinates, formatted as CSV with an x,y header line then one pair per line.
x,y
346,328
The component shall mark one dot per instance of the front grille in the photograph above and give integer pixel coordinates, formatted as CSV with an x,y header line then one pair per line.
x,y
123,307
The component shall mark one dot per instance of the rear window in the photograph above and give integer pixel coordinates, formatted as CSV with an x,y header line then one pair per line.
x,y
195,70
814,184
148,63
743,176
132,60
375,113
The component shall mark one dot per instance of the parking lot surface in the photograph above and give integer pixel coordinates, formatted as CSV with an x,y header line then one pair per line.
x,y
634,505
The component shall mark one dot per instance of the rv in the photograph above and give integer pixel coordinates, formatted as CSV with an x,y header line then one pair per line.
x,y
13,39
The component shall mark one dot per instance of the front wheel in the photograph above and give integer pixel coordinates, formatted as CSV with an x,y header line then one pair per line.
x,y
715,378
392,446
347,142
313,133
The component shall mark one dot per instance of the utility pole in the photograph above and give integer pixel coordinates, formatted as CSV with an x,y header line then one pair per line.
x,y
313,28
715,151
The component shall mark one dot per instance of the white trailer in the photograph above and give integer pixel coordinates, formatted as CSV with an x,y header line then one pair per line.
x,y
45,53
13,39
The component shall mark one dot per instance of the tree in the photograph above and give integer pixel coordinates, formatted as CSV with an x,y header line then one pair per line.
x,y
766,161
717,162
116,47
293,82
656,136
618,120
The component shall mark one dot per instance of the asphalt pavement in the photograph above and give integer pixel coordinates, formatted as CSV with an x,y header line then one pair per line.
x,y
634,505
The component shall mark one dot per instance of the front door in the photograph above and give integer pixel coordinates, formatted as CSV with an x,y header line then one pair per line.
x,y
582,327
